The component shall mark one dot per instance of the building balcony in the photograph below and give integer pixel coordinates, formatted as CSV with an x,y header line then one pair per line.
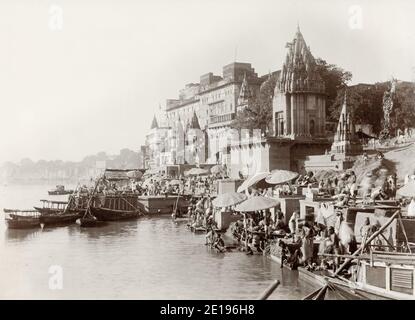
x,y
221,118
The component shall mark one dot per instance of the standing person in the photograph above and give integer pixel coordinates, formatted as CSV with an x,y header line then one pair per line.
x,y
293,223
307,244
365,232
333,245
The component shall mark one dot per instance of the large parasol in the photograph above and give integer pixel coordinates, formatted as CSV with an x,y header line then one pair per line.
x,y
228,199
280,176
407,190
197,172
250,181
257,203
134,174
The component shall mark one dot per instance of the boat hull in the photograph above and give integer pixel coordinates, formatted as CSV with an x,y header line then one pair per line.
x,y
23,223
91,223
104,214
59,219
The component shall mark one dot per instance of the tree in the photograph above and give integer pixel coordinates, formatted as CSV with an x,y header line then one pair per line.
x,y
403,115
366,103
258,113
335,79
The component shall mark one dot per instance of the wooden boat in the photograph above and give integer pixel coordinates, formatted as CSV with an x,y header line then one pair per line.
x,y
60,190
57,213
59,218
383,276
107,214
22,219
118,206
164,204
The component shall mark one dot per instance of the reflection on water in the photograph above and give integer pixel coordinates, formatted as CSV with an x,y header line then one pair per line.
x,y
150,258
20,235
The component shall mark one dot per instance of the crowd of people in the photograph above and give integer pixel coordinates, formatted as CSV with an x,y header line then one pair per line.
x,y
256,232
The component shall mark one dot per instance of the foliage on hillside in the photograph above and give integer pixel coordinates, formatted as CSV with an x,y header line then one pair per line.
x,y
367,106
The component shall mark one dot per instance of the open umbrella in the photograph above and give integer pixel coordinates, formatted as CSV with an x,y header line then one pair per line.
x,y
134,174
407,190
257,203
217,169
197,172
280,176
250,181
228,199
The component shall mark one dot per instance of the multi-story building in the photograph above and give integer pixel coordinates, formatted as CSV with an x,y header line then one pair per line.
x,y
204,110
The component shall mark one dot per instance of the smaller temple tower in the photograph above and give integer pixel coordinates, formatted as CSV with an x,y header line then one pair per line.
x,y
154,124
245,95
346,142
344,149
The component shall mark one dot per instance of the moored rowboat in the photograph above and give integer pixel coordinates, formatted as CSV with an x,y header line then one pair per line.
x,y
22,219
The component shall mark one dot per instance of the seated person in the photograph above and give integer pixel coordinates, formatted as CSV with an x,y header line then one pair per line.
x,y
290,254
280,227
219,244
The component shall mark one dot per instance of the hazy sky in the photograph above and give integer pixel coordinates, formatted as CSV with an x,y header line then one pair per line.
x,y
90,79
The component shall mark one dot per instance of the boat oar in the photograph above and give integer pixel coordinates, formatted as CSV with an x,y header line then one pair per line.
x,y
274,285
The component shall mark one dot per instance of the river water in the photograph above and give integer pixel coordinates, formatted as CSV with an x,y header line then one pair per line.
x,y
150,258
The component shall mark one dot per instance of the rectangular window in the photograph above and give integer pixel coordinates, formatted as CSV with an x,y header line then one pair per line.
x,y
402,280
376,276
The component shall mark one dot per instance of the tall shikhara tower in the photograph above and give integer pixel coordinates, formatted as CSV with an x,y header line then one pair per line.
x,y
299,105
346,142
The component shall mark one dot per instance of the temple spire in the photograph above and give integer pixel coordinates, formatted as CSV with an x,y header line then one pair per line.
x,y
245,92
194,124
154,124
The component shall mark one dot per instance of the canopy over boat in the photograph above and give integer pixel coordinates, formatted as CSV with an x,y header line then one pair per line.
x,y
53,201
134,174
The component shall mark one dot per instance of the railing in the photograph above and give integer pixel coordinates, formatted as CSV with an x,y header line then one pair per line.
x,y
222,118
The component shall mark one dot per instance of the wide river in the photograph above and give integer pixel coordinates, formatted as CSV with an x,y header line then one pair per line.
x,y
151,258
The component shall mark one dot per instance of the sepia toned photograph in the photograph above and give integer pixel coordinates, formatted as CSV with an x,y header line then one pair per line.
x,y
223,150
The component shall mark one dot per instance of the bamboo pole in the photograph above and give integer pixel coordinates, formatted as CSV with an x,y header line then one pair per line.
x,y
404,232
268,291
